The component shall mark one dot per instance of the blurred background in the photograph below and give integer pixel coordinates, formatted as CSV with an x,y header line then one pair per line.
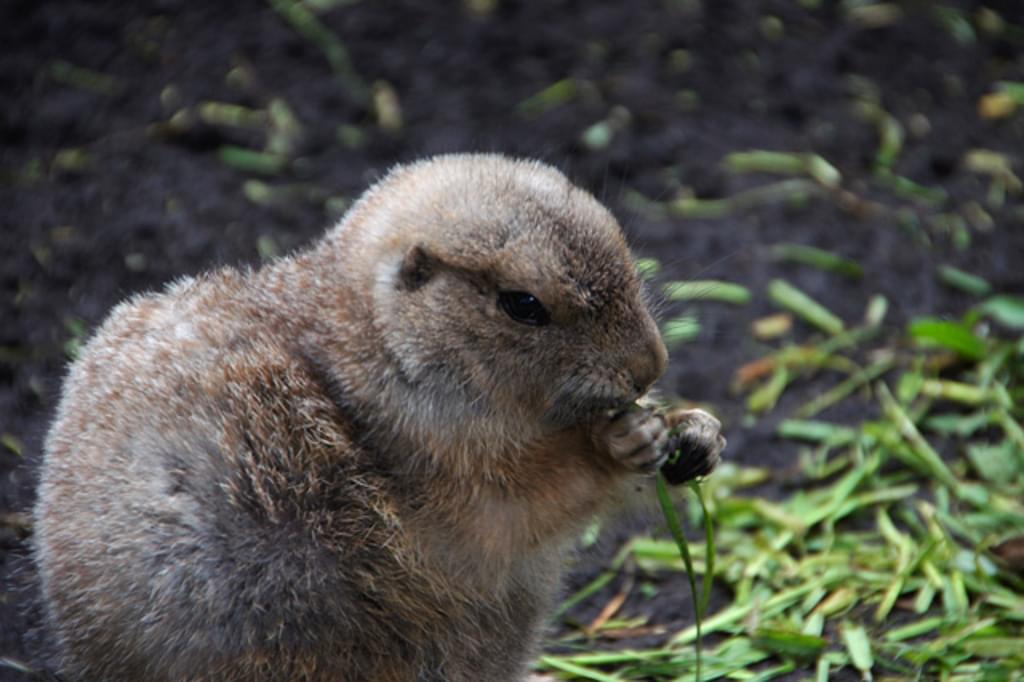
x,y
148,140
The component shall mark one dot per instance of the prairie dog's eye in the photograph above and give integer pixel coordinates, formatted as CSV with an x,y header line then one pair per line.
x,y
524,307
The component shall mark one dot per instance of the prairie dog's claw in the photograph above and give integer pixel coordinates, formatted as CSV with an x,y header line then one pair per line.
x,y
636,439
697,434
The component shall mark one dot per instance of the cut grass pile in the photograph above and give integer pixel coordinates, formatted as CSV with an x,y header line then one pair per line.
x,y
895,550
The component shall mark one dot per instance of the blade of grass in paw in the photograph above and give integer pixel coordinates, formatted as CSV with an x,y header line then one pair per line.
x,y
676,528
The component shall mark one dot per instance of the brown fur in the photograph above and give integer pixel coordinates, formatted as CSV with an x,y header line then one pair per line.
x,y
351,464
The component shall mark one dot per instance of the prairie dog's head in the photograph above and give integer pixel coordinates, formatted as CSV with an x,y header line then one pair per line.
x,y
502,287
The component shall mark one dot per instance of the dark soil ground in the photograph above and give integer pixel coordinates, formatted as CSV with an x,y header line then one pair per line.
x,y
99,200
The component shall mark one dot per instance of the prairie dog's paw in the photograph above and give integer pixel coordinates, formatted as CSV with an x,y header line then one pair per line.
x,y
697,437
636,438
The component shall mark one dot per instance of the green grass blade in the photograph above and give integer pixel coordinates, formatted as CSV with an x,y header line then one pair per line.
x,y
818,258
648,267
964,281
708,290
680,329
676,528
787,296
1007,310
951,335
309,26
859,647
555,95
709,550
577,670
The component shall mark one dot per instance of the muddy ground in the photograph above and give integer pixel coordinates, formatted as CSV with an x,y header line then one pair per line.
x,y
104,192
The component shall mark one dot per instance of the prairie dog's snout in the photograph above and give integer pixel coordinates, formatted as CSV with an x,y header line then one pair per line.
x,y
648,363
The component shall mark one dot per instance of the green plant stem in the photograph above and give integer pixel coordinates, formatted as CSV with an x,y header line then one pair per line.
x,y
676,528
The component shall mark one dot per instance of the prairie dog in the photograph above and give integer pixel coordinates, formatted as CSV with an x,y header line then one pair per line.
x,y
364,461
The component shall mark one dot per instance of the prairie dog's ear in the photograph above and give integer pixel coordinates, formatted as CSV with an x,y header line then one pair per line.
x,y
418,267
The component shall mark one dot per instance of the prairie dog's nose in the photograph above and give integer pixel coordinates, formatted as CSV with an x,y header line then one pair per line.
x,y
648,363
